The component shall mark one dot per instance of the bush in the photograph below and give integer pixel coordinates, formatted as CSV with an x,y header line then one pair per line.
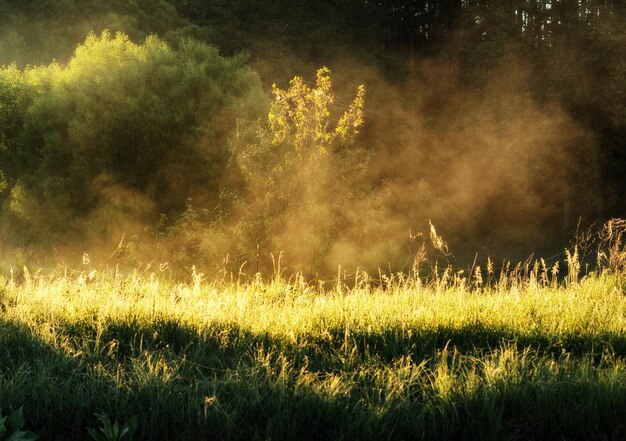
x,y
127,131
305,176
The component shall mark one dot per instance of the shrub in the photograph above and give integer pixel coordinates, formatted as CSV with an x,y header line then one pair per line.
x,y
127,131
304,174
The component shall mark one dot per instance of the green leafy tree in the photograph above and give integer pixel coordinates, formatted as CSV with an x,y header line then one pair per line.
x,y
123,131
18,90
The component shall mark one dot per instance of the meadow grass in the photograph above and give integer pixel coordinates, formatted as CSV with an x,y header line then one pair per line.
x,y
284,360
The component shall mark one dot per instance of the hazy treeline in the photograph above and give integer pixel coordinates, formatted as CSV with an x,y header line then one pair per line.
x,y
503,123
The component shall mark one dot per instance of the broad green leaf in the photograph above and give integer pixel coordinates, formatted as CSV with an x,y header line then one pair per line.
x,y
107,428
22,436
131,425
16,419
95,435
116,431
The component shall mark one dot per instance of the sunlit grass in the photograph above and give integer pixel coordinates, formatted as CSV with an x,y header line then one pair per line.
x,y
410,359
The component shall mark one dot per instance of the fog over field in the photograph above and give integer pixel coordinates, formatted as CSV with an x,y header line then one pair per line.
x,y
143,131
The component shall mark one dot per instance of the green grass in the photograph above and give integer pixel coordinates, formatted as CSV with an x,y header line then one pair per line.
x,y
286,360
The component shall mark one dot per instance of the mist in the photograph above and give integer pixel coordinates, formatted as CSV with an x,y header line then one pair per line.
x,y
163,155
499,173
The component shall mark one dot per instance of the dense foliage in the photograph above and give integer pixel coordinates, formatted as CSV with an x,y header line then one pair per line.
x,y
121,133
504,123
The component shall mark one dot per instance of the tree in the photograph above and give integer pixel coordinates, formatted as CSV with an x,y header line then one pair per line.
x,y
18,90
298,183
133,128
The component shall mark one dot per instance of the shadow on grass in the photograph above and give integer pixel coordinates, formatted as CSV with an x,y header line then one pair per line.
x,y
225,382
222,346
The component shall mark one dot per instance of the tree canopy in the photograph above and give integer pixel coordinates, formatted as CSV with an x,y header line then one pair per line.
x,y
148,119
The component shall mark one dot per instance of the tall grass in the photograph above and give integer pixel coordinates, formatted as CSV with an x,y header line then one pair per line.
x,y
449,357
